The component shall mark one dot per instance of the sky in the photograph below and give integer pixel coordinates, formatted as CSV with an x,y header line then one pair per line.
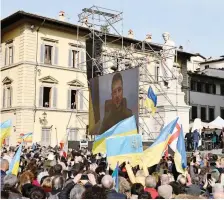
x,y
197,25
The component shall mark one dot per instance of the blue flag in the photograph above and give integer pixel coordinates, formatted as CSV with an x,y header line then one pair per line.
x,y
115,177
180,157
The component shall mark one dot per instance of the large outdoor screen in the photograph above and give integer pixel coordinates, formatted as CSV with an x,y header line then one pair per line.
x,y
113,97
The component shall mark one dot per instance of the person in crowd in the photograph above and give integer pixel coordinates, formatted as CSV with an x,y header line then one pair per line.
x,y
150,185
214,140
108,184
86,176
4,169
196,138
10,187
188,136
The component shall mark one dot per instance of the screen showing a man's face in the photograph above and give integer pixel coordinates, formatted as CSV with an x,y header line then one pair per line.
x,y
117,93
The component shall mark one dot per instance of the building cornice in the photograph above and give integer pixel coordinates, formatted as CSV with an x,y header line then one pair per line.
x,y
5,110
41,65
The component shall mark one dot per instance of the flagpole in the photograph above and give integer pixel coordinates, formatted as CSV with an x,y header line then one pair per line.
x,y
56,136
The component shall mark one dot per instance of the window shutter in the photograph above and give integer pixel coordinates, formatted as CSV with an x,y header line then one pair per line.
x,y
41,97
69,99
42,53
55,97
13,48
81,99
6,55
82,60
56,55
3,98
69,57
10,100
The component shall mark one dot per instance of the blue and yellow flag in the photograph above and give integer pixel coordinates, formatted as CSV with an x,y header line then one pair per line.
x,y
153,154
124,148
14,165
180,157
151,100
115,177
5,130
124,127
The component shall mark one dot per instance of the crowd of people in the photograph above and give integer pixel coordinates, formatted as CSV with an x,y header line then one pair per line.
x,y
193,138
44,173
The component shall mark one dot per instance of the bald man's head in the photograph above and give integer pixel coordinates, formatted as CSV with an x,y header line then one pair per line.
x,y
4,165
107,182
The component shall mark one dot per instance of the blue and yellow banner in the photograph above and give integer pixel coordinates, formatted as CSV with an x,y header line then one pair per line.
x,y
124,127
180,157
153,154
151,100
5,130
124,148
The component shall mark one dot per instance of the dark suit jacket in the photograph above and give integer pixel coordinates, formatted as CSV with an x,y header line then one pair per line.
x,y
112,194
114,115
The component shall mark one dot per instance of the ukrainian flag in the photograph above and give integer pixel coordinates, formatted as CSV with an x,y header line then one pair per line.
x,y
5,130
122,128
180,157
14,165
124,148
151,100
153,154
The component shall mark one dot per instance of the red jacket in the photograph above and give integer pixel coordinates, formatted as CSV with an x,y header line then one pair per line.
x,y
153,192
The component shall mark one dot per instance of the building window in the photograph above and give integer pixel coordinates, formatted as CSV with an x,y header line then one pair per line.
x,y
222,89
46,137
206,66
47,96
207,88
194,112
48,54
222,113
214,89
73,133
203,113
211,114
193,85
73,99
199,87
75,58
7,96
9,53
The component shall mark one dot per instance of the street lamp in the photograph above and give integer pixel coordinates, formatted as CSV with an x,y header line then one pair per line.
x,y
43,121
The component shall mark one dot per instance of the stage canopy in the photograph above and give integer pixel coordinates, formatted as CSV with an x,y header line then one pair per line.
x,y
217,123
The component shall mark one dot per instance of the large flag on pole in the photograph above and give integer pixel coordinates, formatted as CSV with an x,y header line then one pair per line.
x,y
151,100
172,143
153,154
180,157
5,130
14,165
123,148
122,128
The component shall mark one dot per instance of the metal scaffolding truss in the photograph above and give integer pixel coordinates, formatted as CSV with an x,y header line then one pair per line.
x,y
101,23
